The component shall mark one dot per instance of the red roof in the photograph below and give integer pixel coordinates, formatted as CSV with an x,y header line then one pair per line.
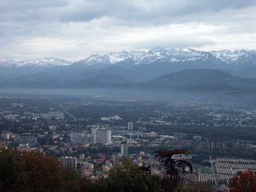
x,y
3,144
192,175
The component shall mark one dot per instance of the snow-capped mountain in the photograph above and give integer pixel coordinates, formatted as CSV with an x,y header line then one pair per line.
x,y
235,56
45,62
143,57
172,56
240,58
132,68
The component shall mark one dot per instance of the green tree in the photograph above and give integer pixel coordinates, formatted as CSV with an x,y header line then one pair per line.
x,y
128,177
74,182
12,171
195,187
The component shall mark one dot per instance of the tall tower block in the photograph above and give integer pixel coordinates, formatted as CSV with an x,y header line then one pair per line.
x,y
130,126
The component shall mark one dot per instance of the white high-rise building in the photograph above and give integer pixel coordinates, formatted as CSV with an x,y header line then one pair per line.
x,y
69,161
93,139
81,138
5,135
130,126
87,165
124,149
94,130
81,156
103,136
77,137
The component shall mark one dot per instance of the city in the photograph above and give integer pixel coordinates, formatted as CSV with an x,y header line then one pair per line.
x,y
73,130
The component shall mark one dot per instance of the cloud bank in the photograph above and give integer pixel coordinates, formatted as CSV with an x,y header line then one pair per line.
x,y
74,29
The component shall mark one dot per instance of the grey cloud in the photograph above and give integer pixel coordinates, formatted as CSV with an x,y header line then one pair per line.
x,y
90,10
28,10
129,13
175,43
158,13
22,20
27,17
12,5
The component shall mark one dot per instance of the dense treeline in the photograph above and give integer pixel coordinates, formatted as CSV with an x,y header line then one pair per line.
x,y
35,171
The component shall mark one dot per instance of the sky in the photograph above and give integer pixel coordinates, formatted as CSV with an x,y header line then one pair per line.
x,y
74,29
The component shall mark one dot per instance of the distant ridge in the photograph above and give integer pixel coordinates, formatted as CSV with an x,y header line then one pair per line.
x,y
197,80
202,80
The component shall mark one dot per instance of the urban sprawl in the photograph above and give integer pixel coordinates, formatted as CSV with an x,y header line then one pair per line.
x,y
92,134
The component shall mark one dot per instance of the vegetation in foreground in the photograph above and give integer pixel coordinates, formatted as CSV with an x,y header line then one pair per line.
x,y
35,171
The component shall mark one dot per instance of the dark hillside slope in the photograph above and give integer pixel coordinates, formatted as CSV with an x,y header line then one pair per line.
x,y
202,80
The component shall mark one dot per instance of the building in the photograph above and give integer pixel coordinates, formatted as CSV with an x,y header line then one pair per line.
x,y
86,165
94,130
82,138
69,161
17,105
5,135
52,127
130,126
81,156
103,136
124,149
93,139
52,114
32,141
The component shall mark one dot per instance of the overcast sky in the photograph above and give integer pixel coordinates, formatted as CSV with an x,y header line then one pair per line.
x,y
75,29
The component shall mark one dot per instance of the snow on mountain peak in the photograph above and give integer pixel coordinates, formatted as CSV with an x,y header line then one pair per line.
x,y
231,56
116,57
164,55
44,62
145,57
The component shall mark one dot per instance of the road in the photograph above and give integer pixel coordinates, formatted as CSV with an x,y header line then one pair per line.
x,y
64,110
213,171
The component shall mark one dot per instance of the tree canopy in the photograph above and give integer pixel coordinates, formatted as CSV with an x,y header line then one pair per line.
x,y
244,181
35,171
128,177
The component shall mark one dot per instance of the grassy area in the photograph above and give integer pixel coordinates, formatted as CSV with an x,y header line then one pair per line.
x,y
206,170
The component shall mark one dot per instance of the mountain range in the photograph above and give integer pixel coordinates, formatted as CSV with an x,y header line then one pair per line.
x,y
156,69
215,59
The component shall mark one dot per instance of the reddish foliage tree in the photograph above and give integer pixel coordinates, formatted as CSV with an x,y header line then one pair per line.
x,y
35,171
43,171
245,181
